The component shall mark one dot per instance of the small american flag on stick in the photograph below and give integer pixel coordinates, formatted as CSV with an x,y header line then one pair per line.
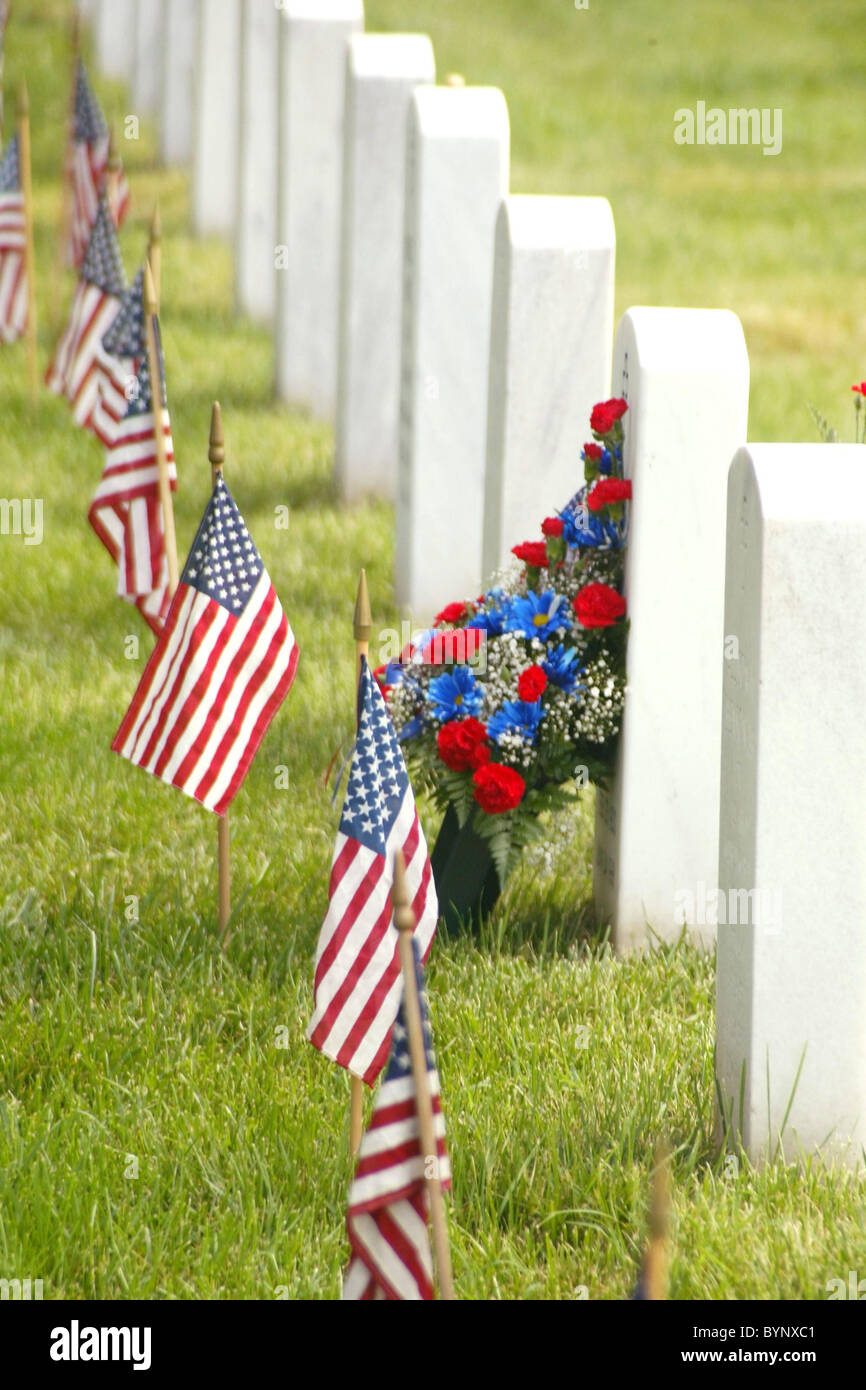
x,y
126,512
357,976
87,159
13,233
388,1200
222,666
118,357
72,372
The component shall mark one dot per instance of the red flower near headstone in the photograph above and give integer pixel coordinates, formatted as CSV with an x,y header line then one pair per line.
x,y
498,788
552,526
463,744
598,605
605,415
532,684
452,613
593,451
861,388
531,553
608,490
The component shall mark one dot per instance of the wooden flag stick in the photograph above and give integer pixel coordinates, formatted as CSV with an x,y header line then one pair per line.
x,y
149,305
29,253
404,921
154,254
656,1255
66,205
363,624
216,455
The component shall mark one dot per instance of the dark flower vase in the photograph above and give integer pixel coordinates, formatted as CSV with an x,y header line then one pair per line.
x,y
467,884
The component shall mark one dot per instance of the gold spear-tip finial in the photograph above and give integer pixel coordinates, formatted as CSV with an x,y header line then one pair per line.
x,y
363,616
216,445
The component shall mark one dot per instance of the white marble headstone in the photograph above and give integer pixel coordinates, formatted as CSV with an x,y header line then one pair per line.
x,y
791,963
115,30
178,78
312,83
456,176
215,118
149,55
685,374
255,287
381,73
550,359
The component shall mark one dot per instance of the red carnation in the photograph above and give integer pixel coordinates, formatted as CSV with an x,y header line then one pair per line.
x,y
608,490
461,744
551,526
450,614
532,684
598,605
861,388
498,788
605,415
531,553
593,451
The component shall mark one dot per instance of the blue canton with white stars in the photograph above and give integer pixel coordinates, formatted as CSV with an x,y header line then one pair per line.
x,y
399,1060
223,563
378,780
102,265
141,399
89,123
10,177
125,337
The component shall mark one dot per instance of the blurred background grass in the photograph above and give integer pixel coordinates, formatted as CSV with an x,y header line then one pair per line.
x,y
124,1033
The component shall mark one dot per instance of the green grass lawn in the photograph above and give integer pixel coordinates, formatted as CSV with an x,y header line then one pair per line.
x,y
155,1138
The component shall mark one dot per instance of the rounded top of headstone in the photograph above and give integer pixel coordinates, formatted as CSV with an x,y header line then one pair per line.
x,y
664,339
555,222
467,112
400,56
782,477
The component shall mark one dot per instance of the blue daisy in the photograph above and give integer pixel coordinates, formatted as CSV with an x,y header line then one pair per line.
x,y
561,668
516,717
538,615
456,693
492,618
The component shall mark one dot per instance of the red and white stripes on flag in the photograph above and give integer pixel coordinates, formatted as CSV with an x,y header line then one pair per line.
x,y
357,972
387,1214
72,371
86,171
113,375
222,666
13,271
126,514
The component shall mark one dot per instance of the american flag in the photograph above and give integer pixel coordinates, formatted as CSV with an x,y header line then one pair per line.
x,y
13,273
86,168
357,977
387,1216
72,371
117,361
126,512
222,666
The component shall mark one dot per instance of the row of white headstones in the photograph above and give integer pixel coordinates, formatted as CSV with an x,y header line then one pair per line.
x,y
457,337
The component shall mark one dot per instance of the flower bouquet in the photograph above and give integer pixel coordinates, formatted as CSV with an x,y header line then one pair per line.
x,y
530,710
